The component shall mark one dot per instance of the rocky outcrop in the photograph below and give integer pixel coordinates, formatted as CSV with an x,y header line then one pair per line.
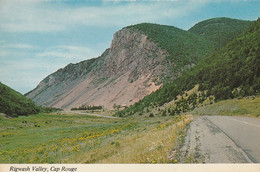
x,y
126,72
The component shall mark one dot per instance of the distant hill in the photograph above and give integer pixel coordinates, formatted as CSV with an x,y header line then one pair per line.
x,y
233,71
13,103
220,31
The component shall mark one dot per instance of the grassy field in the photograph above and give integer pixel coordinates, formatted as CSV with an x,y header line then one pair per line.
x,y
72,138
248,106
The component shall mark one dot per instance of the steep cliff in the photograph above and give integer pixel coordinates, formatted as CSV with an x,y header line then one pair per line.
x,y
123,74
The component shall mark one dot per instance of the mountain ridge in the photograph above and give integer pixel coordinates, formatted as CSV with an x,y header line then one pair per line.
x,y
141,58
221,30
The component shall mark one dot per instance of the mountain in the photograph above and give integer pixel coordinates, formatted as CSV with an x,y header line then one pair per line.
x,y
136,64
231,72
13,103
140,60
220,31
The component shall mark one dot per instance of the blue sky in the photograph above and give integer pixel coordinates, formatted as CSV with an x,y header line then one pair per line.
x,y
37,37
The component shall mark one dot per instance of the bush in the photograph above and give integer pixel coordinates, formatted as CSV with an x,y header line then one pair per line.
x,y
87,107
164,113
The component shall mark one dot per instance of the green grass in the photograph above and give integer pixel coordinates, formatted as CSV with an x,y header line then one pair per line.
x,y
72,138
43,131
249,106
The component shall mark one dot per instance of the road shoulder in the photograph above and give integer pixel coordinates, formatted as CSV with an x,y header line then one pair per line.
x,y
206,143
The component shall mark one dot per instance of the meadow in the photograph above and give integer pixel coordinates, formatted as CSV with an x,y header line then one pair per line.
x,y
74,138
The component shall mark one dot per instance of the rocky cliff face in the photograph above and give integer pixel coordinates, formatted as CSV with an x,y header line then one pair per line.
x,y
126,72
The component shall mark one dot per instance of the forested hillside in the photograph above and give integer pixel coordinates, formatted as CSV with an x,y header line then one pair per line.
x,y
220,31
13,103
231,72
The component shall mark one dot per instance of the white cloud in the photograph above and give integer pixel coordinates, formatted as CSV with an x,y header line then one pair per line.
x,y
43,16
68,51
3,53
23,70
26,75
8,51
18,46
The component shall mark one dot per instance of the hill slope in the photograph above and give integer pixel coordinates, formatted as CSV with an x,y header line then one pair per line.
x,y
13,103
220,31
234,71
136,64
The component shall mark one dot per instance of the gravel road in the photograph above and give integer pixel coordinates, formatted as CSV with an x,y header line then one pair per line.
x,y
222,139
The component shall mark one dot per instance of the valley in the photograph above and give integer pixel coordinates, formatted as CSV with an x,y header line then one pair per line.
x,y
156,95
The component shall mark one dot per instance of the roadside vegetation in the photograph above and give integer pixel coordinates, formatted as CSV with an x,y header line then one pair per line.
x,y
247,106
